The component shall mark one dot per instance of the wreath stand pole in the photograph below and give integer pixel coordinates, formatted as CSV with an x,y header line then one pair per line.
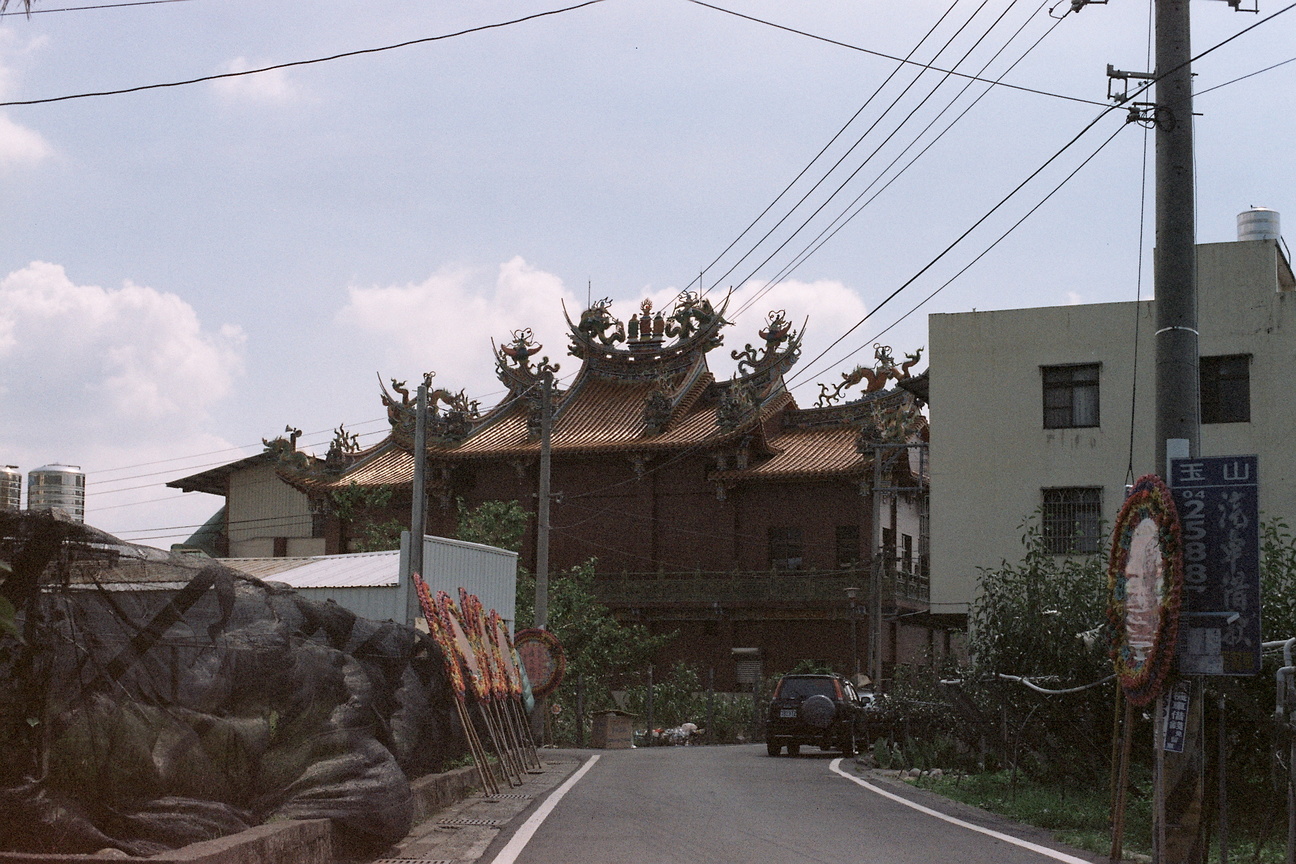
x,y
519,743
1121,779
519,718
499,750
489,784
509,739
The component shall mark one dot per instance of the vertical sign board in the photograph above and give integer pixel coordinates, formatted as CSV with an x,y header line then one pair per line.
x,y
1218,502
1176,716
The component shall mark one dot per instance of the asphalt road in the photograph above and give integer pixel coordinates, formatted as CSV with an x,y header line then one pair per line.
x,y
712,805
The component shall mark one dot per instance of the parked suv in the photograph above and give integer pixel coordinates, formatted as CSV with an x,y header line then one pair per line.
x,y
817,710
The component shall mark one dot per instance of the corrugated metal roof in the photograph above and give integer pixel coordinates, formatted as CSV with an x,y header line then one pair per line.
x,y
357,570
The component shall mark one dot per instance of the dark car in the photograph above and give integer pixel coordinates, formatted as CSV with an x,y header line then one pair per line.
x,y
821,711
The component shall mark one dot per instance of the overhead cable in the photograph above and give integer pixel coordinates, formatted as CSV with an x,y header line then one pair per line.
x,y
29,12
885,112
830,231
970,264
294,63
821,152
892,57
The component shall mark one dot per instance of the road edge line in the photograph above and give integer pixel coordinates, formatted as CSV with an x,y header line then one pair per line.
x,y
998,835
523,835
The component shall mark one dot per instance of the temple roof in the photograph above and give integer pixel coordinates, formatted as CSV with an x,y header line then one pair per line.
x,y
643,386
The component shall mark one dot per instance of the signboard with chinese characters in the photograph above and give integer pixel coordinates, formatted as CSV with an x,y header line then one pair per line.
x,y
1175,717
1218,502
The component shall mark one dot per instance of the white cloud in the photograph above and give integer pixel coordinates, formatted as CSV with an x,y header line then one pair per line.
x,y
273,86
112,378
20,147
446,323
134,362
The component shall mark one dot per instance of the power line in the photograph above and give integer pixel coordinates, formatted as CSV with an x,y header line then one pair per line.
x,y
1106,110
955,242
1244,77
985,251
894,102
294,63
222,450
818,155
29,12
892,57
838,223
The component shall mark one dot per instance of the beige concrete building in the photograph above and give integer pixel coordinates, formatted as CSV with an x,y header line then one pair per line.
x,y
263,516
1032,409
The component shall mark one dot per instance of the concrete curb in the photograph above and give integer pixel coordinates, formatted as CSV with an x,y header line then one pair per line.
x,y
304,841
435,792
298,841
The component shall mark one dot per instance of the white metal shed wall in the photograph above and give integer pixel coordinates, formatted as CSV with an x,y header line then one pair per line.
x,y
487,571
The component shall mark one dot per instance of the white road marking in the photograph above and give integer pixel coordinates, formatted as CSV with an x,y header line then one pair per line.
x,y
518,841
1025,844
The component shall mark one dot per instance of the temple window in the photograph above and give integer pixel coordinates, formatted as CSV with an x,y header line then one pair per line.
x,y
785,548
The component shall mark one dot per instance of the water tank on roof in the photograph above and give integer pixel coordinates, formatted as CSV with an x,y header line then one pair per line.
x,y
10,488
1258,223
57,485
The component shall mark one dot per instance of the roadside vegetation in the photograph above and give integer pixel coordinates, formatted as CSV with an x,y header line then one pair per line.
x,y
1046,758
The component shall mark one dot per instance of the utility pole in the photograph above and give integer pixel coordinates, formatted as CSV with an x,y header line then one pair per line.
x,y
1179,779
875,588
542,505
542,535
1178,421
418,506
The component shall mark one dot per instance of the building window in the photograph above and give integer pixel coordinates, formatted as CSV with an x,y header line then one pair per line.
x,y
848,546
1226,389
785,548
907,560
1072,520
1070,396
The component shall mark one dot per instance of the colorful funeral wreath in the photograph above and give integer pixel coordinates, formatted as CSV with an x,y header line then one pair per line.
x,y
1142,677
544,658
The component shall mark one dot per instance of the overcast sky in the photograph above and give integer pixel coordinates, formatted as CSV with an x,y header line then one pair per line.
x,y
183,271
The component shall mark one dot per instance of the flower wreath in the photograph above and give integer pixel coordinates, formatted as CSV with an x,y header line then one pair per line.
x,y
548,644
1143,678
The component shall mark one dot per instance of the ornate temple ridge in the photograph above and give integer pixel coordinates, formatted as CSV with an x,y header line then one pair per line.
x,y
644,386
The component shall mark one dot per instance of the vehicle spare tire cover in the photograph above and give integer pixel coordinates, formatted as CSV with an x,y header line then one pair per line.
x,y
818,711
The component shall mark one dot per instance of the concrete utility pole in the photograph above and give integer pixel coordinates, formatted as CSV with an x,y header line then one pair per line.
x,y
538,716
418,505
542,505
1179,777
875,588
1178,420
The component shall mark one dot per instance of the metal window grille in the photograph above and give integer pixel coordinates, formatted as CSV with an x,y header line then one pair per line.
x,y
1226,389
785,548
848,546
1070,396
1072,520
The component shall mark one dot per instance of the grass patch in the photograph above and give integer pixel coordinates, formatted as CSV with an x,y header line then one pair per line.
x,y
1075,815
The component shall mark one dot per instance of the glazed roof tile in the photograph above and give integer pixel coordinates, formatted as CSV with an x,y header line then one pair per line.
x,y
806,454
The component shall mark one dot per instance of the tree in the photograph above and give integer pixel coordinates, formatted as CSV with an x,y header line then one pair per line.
x,y
494,523
598,646
360,507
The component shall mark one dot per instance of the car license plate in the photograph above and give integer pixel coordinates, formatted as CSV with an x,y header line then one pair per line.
x,y
787,712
